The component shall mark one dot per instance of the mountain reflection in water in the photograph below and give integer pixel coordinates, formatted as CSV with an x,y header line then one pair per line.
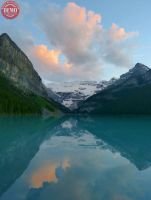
x,y
78,158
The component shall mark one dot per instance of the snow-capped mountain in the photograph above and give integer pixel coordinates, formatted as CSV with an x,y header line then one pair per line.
x,y
71,93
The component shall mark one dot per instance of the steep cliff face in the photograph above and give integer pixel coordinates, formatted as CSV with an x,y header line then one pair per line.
x,y
16,66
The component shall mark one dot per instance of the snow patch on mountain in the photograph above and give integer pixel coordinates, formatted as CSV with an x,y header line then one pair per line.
x,y
71,93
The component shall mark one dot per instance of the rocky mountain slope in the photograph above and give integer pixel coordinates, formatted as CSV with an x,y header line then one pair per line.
x,y
130,94
70,94
16,66
21,88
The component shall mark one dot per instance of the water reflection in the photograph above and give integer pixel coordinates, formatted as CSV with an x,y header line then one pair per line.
x,y
78,158
48,172
20,138
130,136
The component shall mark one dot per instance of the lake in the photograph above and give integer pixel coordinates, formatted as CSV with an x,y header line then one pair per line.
x,y
75,158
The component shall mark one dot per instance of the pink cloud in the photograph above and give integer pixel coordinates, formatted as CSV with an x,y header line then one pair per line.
x,y
48,62
48,57
117,33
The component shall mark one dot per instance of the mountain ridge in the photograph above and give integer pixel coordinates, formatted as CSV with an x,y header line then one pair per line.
x,y
130,95
15,65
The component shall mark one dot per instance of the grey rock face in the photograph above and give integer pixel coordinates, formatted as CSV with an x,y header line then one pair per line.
x,y
16,66
133,77
147,76
137,70
53,95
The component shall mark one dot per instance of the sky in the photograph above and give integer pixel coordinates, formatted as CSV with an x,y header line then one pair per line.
x,y
82,39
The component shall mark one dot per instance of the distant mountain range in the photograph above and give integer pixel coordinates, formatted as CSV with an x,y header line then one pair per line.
x,y
21,88
70,94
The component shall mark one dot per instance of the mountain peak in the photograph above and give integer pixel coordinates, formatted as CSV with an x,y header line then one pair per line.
x,y
137,70
5,37
141,67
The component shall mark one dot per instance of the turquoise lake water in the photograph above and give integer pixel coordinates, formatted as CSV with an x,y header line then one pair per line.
x,y
75,158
